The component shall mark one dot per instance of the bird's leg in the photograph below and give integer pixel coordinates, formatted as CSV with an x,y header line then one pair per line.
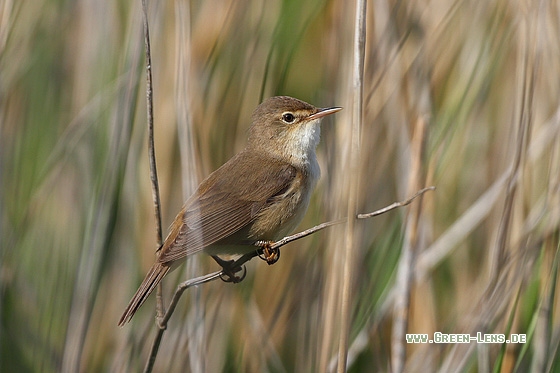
x,y
230,269
269,254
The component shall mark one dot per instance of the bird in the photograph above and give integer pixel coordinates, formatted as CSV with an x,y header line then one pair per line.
x,y
260,195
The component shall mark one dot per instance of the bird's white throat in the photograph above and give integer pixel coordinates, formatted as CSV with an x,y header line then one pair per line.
x,y
300,145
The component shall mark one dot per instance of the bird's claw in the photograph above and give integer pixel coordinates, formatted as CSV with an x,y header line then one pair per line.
x,y
228,276
269,254
230,270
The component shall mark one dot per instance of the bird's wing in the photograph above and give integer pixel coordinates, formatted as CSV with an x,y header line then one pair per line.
x,y
223,204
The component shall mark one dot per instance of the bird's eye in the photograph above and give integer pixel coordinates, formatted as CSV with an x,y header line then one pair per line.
x,y
288,117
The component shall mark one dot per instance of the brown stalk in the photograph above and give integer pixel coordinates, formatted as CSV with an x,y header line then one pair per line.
x,y
352,196
153,172
405,273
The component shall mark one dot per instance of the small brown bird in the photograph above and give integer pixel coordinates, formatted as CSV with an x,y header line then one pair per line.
x,y
261,194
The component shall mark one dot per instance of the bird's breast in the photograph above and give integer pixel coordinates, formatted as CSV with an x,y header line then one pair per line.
x,y
286,210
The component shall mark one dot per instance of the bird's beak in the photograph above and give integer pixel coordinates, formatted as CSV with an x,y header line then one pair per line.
x,y
324,112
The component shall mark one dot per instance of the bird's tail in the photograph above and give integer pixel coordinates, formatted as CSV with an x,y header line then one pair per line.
x,y
154,276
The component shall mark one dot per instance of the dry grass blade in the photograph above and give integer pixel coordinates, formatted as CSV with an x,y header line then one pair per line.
x,y
352,193
405,273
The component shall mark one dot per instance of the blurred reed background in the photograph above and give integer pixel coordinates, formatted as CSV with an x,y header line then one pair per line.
x,y
463,95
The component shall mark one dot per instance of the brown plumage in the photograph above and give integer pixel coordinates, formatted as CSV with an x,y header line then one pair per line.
x,y
261,193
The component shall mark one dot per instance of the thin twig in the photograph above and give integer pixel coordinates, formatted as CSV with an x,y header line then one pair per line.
x,y
306,233
150,113
153,351
184,286
396,204
153,173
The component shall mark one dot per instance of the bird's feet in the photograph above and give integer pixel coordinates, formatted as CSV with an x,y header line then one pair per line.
x,y
230,270
269,254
